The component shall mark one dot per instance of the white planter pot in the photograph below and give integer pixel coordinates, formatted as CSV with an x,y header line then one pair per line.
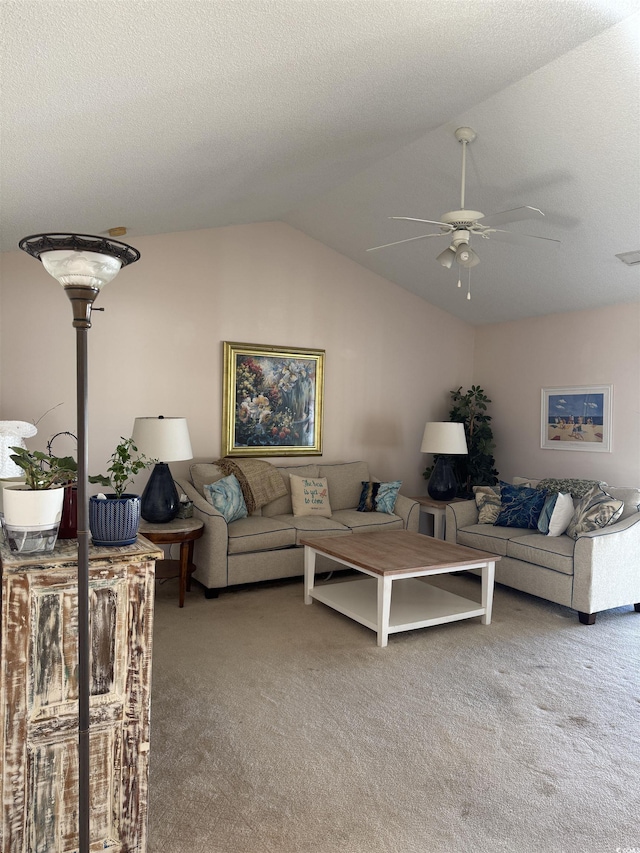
x,y
31,518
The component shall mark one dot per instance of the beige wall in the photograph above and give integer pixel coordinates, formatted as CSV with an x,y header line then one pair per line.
x,y
514,361
391,358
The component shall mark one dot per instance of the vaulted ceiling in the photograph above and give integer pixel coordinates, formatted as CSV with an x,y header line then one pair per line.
x,y
334,115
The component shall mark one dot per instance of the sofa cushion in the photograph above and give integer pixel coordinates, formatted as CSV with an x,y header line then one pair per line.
x,y
310,496
552,552
257,533
282,506
378,497
488,503
556,514
577,488
367,521
226,496
345,483
312,525
595,510
520,506
486,537
202,473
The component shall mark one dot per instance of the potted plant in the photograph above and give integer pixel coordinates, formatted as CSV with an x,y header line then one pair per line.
x,y
32,510
114,518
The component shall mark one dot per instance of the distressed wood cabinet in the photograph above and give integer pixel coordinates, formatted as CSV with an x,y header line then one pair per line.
x,y
39,698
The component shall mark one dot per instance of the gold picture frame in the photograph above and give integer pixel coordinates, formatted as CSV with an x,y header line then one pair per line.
x,y
272,400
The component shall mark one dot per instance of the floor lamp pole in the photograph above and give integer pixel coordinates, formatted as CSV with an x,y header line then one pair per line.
x,y
84,641
82,263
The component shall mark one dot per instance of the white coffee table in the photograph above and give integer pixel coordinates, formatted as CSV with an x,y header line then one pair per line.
x,y
392,598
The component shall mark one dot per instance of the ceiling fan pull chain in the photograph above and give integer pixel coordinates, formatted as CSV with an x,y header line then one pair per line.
x,y
469,286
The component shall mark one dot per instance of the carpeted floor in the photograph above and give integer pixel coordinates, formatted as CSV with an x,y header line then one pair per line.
x,y
283,728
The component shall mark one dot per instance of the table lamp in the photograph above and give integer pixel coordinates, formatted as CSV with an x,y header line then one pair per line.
x,y
167,440
445,439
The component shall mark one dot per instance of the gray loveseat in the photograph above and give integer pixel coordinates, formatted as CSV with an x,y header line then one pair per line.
x,y
266,544
597,571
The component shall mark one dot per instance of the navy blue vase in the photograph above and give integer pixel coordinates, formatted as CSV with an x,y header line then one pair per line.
x,y
114,521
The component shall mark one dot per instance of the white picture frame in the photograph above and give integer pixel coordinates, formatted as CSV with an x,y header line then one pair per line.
x,y
577,417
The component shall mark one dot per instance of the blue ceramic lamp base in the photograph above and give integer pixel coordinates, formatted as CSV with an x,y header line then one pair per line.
x,y
160,501
442,485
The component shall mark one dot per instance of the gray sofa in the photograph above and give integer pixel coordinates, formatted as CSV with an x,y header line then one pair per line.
x,y
266,544
597,571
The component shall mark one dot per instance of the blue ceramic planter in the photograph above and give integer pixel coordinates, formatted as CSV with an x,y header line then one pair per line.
x,y
114,521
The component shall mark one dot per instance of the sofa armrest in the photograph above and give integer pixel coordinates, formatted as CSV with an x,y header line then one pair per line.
x,y
606,567
409,512
459,514
210,551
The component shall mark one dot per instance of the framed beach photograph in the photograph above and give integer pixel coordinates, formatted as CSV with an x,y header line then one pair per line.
x,y
577,417
272,400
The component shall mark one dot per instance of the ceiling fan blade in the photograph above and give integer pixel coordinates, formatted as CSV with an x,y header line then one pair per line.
x,y
428,221
514,215
521,239
408,240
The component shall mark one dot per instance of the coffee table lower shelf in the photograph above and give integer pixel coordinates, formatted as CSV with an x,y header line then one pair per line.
x,y
414,603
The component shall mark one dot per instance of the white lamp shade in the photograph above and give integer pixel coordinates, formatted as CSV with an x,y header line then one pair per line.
x,y
80,269
444,438
164,439
447,257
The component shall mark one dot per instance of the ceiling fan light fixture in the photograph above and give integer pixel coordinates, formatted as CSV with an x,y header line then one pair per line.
x,y
447,257
466,257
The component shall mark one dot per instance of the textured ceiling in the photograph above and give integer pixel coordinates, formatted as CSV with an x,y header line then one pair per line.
x,y
333,115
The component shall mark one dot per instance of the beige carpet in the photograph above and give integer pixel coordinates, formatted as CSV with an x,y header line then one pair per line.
x,y
282,728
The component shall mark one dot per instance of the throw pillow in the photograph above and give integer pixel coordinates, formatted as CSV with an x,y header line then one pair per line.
x,y
631,498
556,514
378,497
595,510
310,496
488,503
226,496
519,506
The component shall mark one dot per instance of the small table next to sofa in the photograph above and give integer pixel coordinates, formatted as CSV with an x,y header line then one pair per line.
x,y
438,509
182,531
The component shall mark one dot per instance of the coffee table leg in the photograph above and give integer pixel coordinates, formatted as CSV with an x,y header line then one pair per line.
x,y
309,573
384,610
488,575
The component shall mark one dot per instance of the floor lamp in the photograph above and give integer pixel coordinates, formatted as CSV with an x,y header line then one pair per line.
x,y
82,264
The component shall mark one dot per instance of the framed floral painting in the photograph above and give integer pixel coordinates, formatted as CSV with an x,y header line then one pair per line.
x,y
577,417
272,400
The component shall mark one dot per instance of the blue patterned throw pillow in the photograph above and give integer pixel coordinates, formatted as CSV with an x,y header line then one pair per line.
x,y
226,496
520,506
378,497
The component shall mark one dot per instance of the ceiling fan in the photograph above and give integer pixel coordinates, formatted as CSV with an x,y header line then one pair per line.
x,y
461,224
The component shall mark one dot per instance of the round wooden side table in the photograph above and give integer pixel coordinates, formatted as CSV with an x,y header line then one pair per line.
x,y
182,531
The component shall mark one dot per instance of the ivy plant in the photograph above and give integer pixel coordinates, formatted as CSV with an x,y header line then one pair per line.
x,y
126,462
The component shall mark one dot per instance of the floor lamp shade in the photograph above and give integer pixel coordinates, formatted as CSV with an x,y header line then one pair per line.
x,y
167,440
444,439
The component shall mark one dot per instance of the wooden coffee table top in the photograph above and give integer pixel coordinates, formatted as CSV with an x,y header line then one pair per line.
x,y
395,551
